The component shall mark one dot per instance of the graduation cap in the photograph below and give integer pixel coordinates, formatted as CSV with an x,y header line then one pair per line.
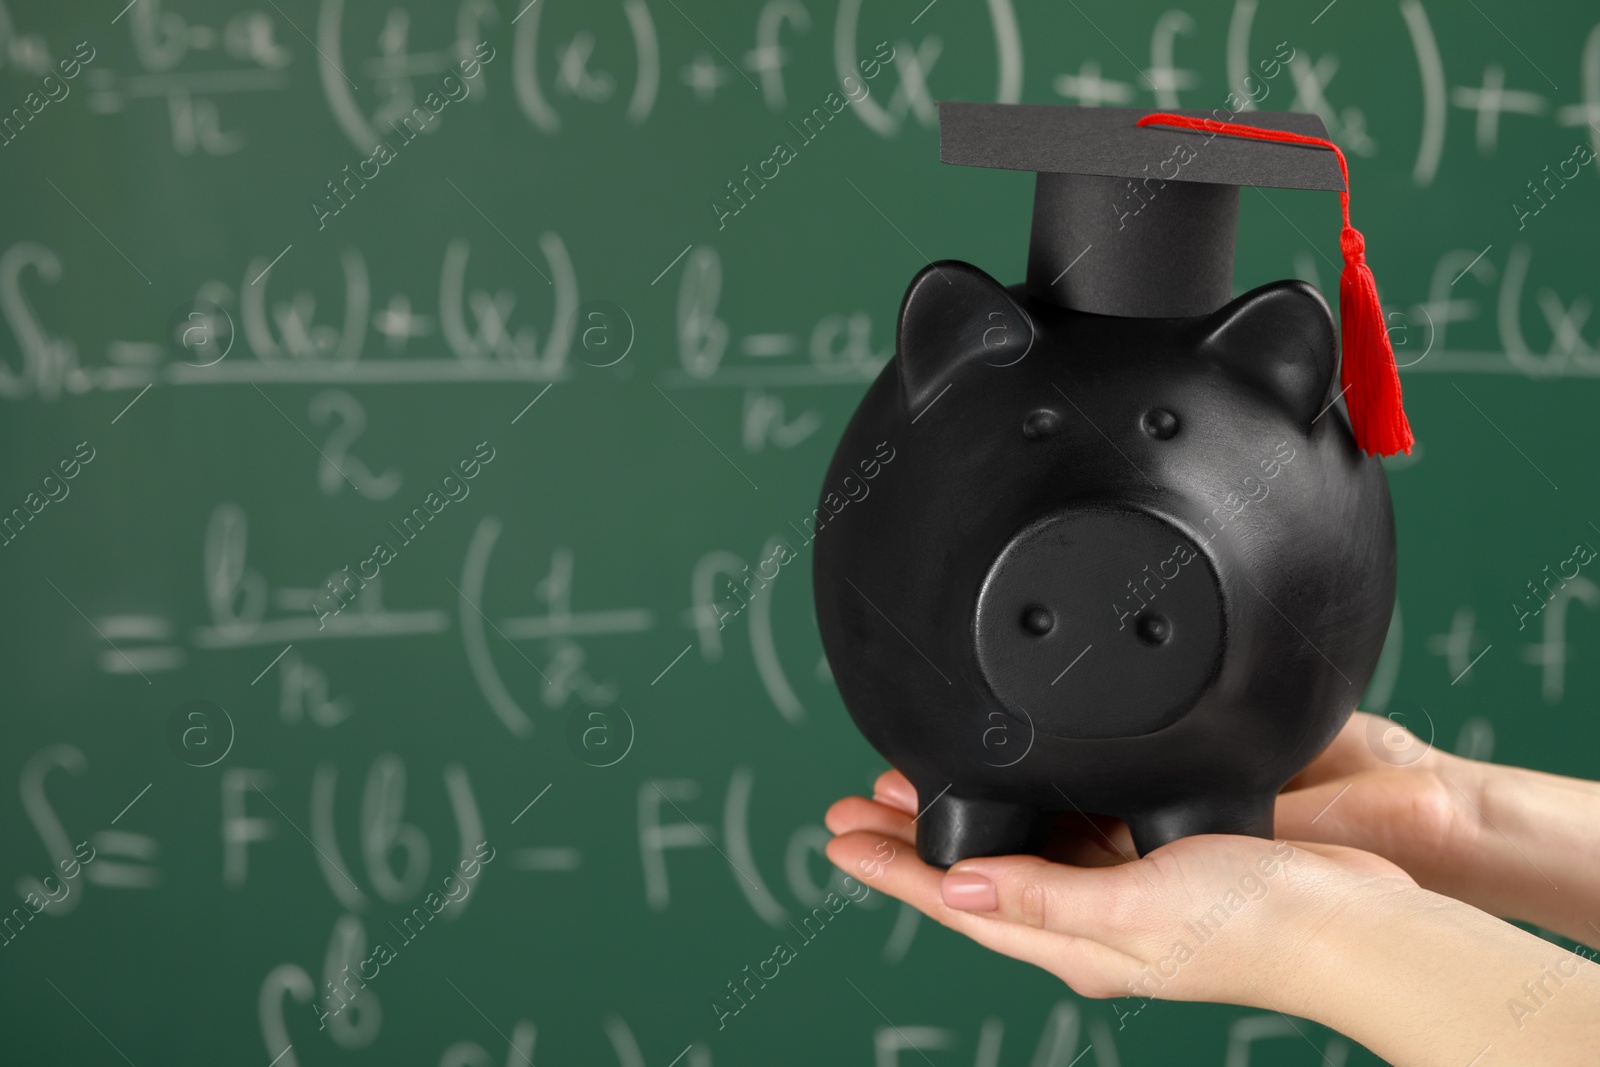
x,y
1135,214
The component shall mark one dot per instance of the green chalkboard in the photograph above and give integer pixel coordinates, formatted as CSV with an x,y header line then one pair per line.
x,y
387,391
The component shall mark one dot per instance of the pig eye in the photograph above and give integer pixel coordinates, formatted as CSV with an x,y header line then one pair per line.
x,y
1160,424
1041,424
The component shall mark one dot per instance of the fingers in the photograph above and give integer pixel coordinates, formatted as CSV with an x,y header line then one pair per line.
x,y
1032,891
858,813
1315,813
888,864
895,790
891,866
1367,743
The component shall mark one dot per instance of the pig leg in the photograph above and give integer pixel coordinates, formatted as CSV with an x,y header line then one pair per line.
x,y
955,828
1248,816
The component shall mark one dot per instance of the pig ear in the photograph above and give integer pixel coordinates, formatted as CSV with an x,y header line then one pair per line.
x,y
1281,338
955,315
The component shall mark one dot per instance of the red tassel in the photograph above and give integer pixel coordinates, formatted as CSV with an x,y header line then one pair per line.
x,y
1367,371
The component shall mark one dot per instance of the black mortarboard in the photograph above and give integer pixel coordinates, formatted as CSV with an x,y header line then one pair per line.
x,y
1134,214
1129,220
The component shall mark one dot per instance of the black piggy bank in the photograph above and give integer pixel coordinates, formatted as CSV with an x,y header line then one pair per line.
x,y
1128,566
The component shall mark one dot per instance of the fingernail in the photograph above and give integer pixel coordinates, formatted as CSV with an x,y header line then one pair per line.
x,y
966,891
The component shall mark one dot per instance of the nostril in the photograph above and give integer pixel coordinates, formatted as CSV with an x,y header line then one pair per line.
x,y
1160,424
1154,629
1040,424
1038,620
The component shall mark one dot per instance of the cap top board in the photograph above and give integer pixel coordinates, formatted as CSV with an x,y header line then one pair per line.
x,y
1105,141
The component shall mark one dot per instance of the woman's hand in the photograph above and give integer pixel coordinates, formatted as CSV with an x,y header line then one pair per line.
x,y
1218,918
1513,842
1323,931
1379,788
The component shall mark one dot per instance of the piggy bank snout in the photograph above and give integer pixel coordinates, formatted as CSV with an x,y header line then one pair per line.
x,y
1098,622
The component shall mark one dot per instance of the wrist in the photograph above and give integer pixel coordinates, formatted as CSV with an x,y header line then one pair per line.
x,y
1453,847
1339,942
1372,944
1537,840
1469,777
1419,977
